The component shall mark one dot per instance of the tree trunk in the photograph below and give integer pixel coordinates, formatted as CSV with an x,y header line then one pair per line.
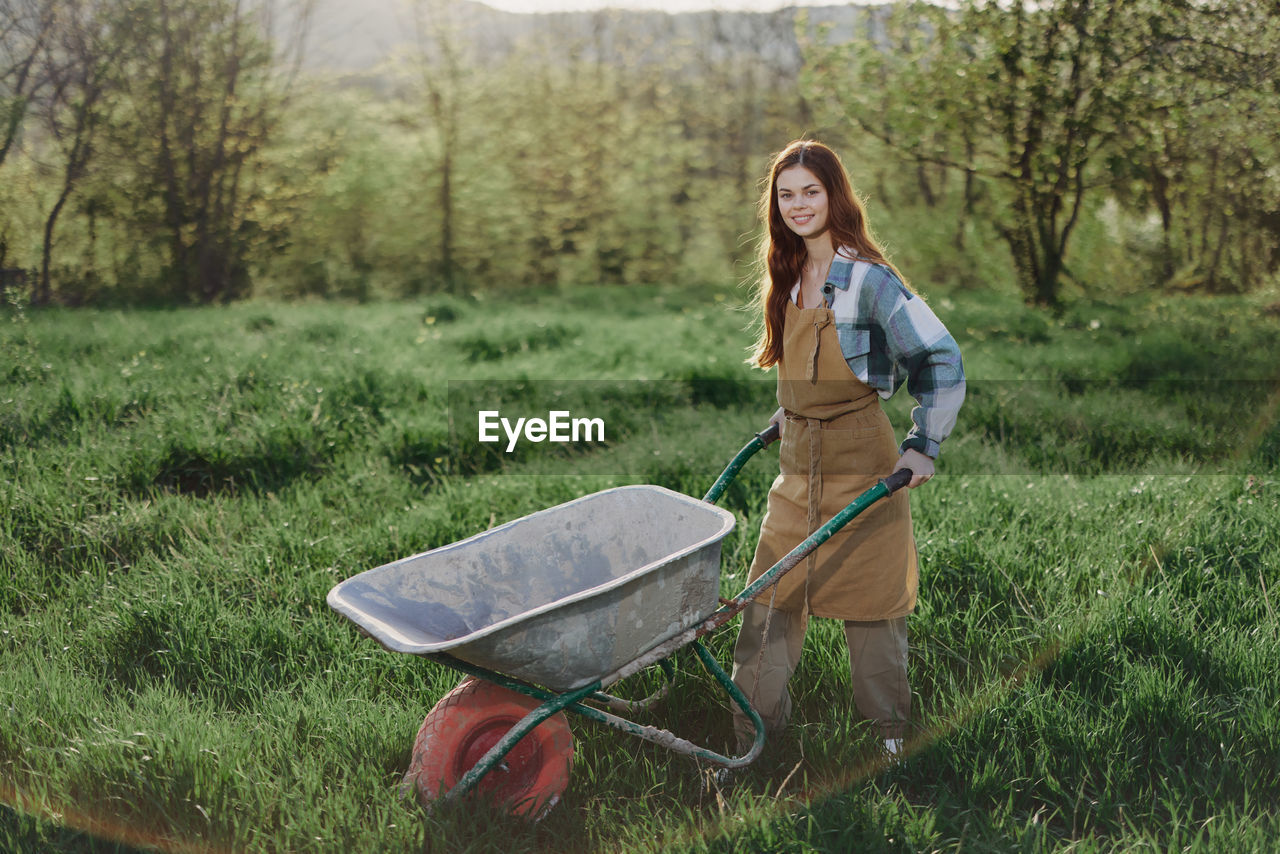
x,y
970,194
1046,294
44,291
1211,283
446,213
926,191
1036,259
1160,193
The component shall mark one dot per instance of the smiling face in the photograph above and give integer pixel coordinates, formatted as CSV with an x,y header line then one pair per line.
x,y
802,201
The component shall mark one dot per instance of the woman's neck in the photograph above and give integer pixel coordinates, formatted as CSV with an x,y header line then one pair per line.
x,y
820,251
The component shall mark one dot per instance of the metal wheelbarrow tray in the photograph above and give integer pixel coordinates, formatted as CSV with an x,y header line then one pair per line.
x,y
560,597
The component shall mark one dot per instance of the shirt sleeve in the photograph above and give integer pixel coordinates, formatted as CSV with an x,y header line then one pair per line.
x,y
923,350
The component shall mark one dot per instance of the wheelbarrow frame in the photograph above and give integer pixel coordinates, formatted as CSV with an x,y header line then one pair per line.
x,y
575,700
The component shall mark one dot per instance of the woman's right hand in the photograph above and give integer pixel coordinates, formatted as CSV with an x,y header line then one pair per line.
x,y
778,417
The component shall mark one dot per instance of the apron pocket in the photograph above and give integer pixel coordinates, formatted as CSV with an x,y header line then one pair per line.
x,y
859,453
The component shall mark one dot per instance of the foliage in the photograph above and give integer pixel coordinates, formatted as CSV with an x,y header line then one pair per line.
x,y
1200,155
1048,103
201,98
166,151
607,172
155,111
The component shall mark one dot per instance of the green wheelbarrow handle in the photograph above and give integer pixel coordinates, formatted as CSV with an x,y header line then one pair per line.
x,y
759,442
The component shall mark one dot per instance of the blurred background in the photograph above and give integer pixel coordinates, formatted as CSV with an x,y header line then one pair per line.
x,y
202,151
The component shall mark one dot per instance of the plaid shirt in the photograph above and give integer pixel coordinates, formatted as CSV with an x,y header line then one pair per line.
x,y
888,335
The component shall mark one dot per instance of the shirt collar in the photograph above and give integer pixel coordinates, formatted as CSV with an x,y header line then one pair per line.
x,y
841,272
839,275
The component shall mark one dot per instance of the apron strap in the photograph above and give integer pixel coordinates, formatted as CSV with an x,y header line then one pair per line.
x,y
811,370
813,432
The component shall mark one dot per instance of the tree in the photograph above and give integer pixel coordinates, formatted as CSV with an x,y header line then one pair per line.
x,y
204,85
440,69
1028,97
24,28
79,65
1204,152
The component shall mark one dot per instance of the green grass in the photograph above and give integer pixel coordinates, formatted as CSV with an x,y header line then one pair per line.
x,y
1093,654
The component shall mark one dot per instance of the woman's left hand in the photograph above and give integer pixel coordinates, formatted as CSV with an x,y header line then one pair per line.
x,y
921,466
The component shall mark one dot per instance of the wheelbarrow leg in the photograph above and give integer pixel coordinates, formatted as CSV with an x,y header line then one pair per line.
x,y
622,706
713,667
673,742
495,754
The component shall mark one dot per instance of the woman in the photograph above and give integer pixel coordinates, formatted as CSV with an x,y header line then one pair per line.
x,y
844,331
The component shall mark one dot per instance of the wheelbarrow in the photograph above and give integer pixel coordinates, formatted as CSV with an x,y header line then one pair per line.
x,y
546,611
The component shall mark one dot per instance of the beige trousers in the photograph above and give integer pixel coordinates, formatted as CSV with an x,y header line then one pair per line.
x,y
877,663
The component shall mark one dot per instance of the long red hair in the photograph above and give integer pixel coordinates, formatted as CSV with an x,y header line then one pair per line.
x,y
783,253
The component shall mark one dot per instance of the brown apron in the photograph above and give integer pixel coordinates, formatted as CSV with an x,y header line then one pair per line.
x,y
836,443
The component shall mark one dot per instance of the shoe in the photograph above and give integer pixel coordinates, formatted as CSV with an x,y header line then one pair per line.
x,y
714,782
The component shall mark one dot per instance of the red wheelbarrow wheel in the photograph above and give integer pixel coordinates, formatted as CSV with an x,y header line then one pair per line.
x,y
468,721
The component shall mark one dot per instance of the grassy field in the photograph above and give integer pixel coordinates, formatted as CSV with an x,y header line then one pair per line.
x,y
1094,654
